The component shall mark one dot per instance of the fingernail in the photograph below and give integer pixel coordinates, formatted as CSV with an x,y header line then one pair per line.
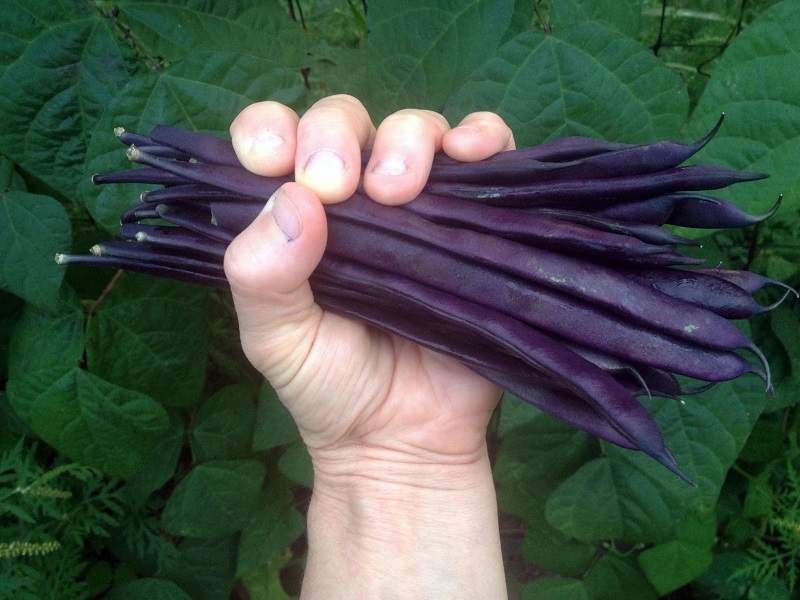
x,y
391,165
265,143
285,215
469,126
324,164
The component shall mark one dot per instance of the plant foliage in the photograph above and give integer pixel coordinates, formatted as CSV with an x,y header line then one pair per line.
x,y
143,457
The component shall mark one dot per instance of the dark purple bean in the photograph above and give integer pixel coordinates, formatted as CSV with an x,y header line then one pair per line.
x,y
234,179
705,212
561,314
600,390
136,265
177,238
653,211
193,192
650,233
199,221
750,282
204,147
147,175
595,193
502,369
593,282
138,213
145,253
631,160
696,287
235,217
537,230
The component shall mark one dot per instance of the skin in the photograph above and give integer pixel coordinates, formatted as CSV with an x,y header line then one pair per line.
x,y
403,504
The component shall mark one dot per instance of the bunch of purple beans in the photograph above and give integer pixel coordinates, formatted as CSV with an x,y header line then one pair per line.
x,y
546,270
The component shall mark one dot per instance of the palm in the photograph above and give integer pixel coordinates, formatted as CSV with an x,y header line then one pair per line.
x,y
358,386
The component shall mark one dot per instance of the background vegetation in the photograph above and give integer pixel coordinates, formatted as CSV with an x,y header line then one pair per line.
x,y
143,458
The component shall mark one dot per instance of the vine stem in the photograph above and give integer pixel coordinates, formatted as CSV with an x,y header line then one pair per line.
x,y
113,282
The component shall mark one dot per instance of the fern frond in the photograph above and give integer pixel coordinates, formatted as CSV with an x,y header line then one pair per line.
x,y
16,549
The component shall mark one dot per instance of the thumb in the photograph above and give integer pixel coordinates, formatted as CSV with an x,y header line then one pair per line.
x,y
268,266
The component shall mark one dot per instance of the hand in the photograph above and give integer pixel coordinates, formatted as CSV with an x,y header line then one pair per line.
x,y
348,386
403,502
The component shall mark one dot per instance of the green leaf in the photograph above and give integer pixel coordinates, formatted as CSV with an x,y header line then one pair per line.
x,y
418,52
548,548
148,588
622,15
265,582
547,86
295,463
33,229
215,498
673,564
613,573
203,92
159,466
555,588
174,30
758,501
88,419
625,496
224,424
204,569
276,525
274,424
535,457
720,577
514,412
64,65
755,84
151,335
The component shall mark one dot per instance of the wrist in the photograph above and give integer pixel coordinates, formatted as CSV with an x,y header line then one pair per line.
x,y
410,528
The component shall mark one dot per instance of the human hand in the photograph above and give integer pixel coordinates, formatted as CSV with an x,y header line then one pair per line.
x,y
350,388
403,504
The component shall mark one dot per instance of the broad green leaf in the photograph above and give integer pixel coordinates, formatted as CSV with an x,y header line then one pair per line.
x,y
611,574
274,424
88,419
548,548
148,588
224,424
64,65
159,466
772,588
625,496
514,412
151,335
205,568
203,92
783,323
295,463
584,79
673,564
174,30
721,577
276,525
755,84
555,588
622,15
418,52
33,229
216,498
533,458
265,582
